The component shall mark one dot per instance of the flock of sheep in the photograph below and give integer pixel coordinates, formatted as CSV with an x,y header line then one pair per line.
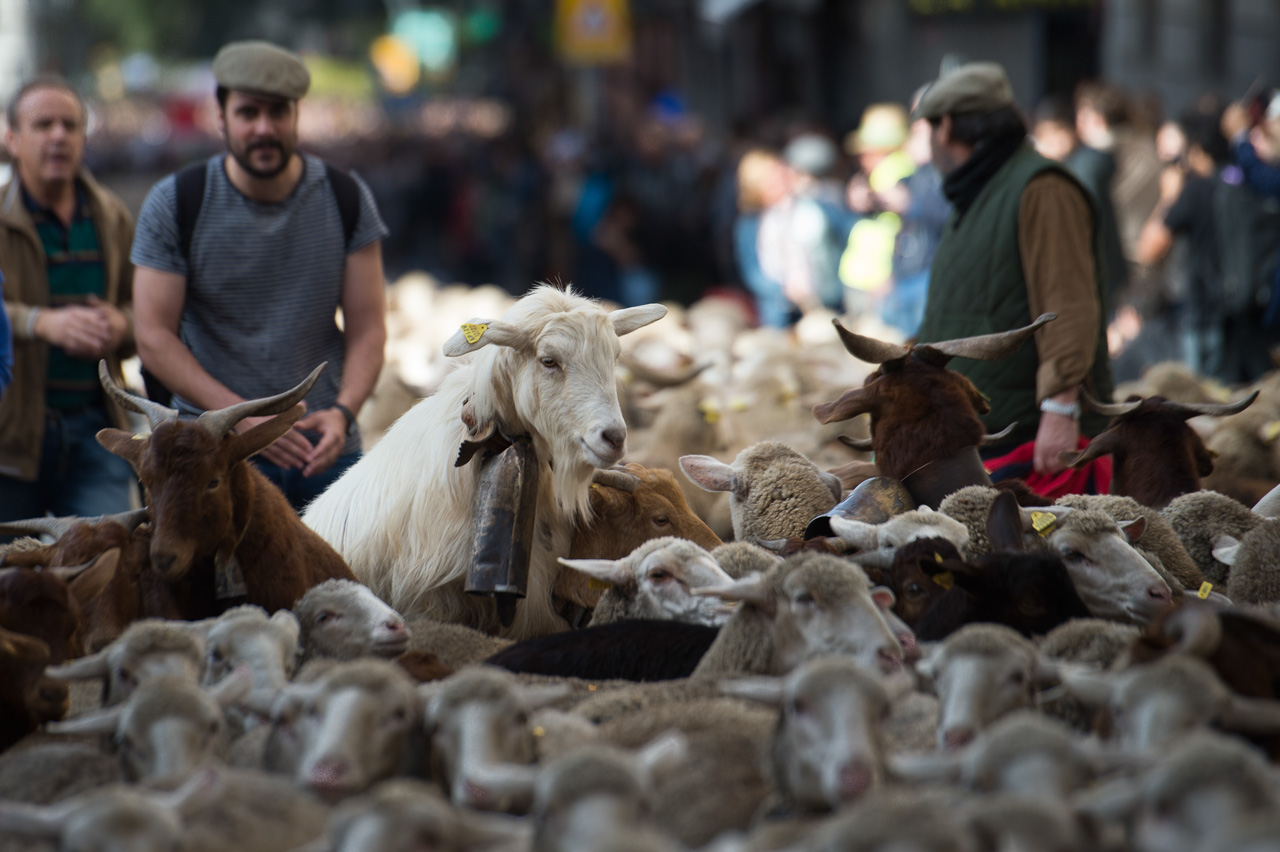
x,y
866,665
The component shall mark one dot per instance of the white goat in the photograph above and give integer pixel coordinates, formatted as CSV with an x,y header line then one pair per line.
x,y
402,515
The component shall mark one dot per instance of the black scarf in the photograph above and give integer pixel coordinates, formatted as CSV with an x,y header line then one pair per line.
x,y
963,185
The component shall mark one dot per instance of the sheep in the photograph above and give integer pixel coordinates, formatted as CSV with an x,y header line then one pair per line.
x,y
403,814
920,411
217,522
1158,535
1157,456
827,747
1251,562
1199,518
1113,579
266,645
896,821
147,649
981,673
407,530
1010,821
1092,641
739,559
344,620
906,571
773,491
901,529
354,725
453,644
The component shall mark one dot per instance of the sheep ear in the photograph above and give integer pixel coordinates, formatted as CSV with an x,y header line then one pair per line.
x,y
1134,529
613,571
35,820
1045,673
754,590
663,753
1269,505
927,665
200,792
85,668
628,320
883,596
482,830
708,473
289,701
232,688
1252,715
1225,548
288,621
925,766
860,534
478,333
102,721
1091,686
1112,801
762,690
834,483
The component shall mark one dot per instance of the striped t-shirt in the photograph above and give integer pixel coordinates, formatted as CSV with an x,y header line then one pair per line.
x,y
263,281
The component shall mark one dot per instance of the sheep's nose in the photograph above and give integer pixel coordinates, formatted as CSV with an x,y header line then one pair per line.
x,y
1160,593
889,661
910,649
958,737
328,774
395,627
615,436
856,778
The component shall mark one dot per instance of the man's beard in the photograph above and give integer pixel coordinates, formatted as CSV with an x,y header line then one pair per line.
x,y
243,158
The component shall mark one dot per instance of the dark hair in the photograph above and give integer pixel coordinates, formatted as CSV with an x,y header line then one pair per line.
x,y
1110,101
970,128
1204,131
1056,110
44,81
221,94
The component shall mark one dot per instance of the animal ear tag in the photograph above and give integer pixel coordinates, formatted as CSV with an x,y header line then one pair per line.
x,y
1271,431
946,579
1043,522
1205,589
710,410
473,331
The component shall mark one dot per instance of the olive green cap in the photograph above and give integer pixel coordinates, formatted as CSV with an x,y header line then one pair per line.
x,y
262,69
977,87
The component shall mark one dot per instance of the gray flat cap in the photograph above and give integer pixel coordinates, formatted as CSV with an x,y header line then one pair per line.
x,y
263,69
977,87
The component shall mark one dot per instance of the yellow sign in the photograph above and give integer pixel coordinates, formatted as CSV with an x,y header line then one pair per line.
x,y
593,32
473,332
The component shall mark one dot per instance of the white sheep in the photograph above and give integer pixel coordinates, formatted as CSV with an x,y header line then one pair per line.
x,y
402,516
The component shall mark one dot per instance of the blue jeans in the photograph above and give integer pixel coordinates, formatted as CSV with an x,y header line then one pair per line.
x,y
77,476
299,489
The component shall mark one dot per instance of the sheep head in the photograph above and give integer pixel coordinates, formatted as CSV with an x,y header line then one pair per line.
x,y
199,490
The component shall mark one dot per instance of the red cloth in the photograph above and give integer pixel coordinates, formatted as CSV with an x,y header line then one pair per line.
x,y
1093,478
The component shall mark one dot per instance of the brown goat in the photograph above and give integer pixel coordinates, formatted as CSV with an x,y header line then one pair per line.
x,y
921,412
1156,455
212,513
629,506
27,698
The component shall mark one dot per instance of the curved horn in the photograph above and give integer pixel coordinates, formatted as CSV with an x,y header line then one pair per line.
x,y
1112,409
156,413
219,423
648,375
996,437
619,479
1101,445
1195,630
58,527
1269,505
860,444
1211,409
868,348
988,347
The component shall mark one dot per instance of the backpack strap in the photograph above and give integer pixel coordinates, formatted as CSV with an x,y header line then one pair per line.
x,y
189,186
347,193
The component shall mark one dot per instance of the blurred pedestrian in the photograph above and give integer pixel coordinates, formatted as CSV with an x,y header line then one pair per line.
x,y
64,245
1019,243
763,180
242,263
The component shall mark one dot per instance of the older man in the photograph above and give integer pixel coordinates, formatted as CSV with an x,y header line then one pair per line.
x,y
244,260
1021,241
64,249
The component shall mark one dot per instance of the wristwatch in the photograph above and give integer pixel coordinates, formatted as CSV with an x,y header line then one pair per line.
x,y
351,418
1067,409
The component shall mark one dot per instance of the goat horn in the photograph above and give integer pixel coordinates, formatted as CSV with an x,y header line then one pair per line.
x,y
156,413
868,348
774,545
987,347
219,423
1112,409
1269,505
996,437
659,379
1195,629
1211,409
619,479
58,527
861,444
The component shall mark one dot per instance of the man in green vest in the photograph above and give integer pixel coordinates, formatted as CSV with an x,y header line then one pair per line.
x,y
1021,241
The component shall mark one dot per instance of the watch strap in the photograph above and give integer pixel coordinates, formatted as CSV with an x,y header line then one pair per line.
x,y
346,412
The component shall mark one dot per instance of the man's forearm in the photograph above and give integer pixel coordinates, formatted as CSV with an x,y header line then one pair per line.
x,y
362,362
170,361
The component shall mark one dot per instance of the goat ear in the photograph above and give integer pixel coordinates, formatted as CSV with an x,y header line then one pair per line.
x,y
1004,524
628,320
479,333
613,571
860,534
762,690
106,562
850,404
708,473
264,434
1225,548
126,445
1134,529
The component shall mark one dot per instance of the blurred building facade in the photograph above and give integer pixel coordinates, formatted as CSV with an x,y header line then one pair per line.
x,y
16,60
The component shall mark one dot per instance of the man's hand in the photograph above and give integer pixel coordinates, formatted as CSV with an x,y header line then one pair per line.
x,y
289,451
332,426
78,330
1058,433
1235,120
1263,144
117,323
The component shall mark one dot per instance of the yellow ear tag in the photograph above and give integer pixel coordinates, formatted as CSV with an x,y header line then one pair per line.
x,y
539,731
946,579
473,332
1205,589
1271,431
139,437
738,403
599,585
710,410
1042,522
937,557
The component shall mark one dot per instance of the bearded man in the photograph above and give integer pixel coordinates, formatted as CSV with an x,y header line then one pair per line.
x,y
241,264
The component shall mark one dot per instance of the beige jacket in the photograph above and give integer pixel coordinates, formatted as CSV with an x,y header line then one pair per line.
x,y
27,286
